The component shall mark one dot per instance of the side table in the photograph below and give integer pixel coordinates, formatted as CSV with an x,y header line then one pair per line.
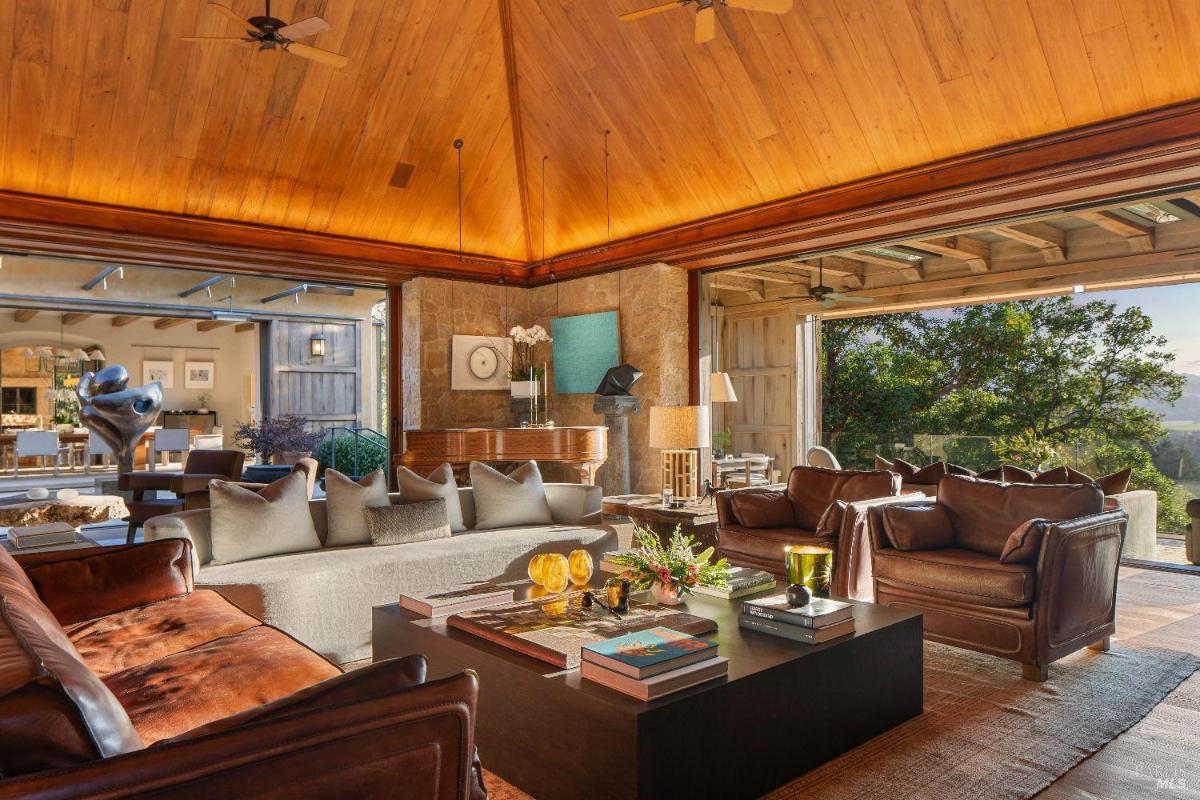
x,y
697,519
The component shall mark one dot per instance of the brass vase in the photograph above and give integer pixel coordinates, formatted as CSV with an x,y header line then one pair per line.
x,y
810,565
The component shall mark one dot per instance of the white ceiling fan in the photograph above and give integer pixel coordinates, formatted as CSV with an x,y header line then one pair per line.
x,y
827,296
706,12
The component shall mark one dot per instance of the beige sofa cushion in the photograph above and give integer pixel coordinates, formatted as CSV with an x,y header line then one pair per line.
x,y
346,503
248,525
505,501
440,483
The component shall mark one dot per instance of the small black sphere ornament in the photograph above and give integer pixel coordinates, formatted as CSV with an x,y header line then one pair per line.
x,y
798,595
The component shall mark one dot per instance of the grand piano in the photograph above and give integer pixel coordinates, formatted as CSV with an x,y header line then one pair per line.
x,y
584,448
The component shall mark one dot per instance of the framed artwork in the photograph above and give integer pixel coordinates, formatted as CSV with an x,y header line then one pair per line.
x,y
161,371
199,374
479,363
585,347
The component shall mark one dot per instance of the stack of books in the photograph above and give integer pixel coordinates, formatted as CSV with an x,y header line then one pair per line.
x,y
51,533
819,621
652,663
454,601
741,581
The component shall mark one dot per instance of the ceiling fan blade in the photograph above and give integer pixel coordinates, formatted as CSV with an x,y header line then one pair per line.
x,y
828,302
851,298
215,39
317,54
770,6
303,29
233,16
645,12
706,25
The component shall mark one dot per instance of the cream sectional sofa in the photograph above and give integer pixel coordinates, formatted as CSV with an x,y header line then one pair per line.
x,y
324,597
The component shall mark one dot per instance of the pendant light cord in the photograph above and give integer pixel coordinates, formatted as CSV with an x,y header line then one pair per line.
x,y
458,146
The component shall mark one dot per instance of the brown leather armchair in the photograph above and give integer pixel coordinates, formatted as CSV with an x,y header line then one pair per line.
x,y
120,680
755,524
190,486
1019,571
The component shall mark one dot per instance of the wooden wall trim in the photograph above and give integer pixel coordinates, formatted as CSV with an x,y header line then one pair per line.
x,y
693,323
56,227
395,379
1150,150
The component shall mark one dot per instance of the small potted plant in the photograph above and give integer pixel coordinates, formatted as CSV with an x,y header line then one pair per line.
x,y
669,571
523,375
203,399
279,443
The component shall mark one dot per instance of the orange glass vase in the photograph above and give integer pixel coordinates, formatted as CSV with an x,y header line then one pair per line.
x,y
580,563
556,572
536,565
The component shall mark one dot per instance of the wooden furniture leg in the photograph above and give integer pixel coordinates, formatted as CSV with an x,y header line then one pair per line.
x,y
1035,672
1102,646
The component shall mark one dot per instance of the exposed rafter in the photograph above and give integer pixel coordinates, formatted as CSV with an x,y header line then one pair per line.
x,y
212,324
243,327
976,254
1140,237
1047,240
73,317
168,322
25,314
121,320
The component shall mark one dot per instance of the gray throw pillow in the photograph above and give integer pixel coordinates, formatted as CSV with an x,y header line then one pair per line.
x,y
440,483
503,501
346,503
405,523
248,525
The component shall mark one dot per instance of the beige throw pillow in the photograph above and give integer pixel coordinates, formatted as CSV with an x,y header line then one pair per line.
x,y
440,483
405,523
248,525
503,501
346,503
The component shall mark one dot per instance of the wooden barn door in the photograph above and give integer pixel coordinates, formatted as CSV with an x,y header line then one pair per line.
x,y
326,389
759,351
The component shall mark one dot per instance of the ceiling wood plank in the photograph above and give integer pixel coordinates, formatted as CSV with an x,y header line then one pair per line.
x,y
244,327
74,317
1047,240
212,324
976,254
1140,237
735,283
168,322
25,314
121,320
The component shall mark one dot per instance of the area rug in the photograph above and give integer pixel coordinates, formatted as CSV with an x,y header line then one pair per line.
x,y
985,732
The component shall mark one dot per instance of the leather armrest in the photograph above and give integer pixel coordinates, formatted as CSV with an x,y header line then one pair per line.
x,y
1077,579
142,481
187,482
419,744
860,536
85,584
726,516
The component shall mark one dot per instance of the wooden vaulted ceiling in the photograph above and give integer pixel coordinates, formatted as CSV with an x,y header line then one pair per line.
x,y
103,104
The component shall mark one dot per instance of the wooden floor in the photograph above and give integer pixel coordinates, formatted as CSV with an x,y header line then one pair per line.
x,y
1160,756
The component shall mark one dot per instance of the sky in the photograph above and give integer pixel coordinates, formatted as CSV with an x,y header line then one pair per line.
x,y
1176,314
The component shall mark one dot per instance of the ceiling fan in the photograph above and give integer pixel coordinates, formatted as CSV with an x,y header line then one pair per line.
x,y
706,12
827,296
269,33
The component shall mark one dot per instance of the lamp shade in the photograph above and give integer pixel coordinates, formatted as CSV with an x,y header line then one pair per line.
x,y
27,352
679,427
79,354
720,388
96,355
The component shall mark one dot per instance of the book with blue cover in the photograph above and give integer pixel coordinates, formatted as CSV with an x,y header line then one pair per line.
x,y
642,654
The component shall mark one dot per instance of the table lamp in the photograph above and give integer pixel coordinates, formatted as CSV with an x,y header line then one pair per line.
x,y
679,431
720,388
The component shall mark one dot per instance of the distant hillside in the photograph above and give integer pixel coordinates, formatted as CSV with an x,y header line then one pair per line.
x,y
1186,408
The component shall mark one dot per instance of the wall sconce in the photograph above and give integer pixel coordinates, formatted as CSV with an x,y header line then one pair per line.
x,y
316,345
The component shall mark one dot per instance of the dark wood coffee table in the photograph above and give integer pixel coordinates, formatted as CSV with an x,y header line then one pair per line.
x,y
783,709
697,519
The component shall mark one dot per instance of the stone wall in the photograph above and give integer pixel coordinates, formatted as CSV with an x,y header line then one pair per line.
x,y
651,303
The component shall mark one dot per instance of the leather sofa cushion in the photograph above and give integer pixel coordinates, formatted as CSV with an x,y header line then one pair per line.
x,y
1014,474
765,543
812,489
830,524
82,588
54,711
140,635
1115,483
763,509
984,514
924,526
179,692
1024,545
960,575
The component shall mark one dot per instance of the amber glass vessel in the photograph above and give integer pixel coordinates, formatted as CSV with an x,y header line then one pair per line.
x,y
580,562
556,573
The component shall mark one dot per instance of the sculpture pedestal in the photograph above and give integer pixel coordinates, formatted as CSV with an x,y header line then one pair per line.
x,y
614,475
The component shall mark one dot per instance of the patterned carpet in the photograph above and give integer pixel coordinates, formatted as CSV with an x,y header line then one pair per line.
x,y
988,734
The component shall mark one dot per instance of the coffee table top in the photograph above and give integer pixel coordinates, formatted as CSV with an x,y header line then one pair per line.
x,y
644,506
749,652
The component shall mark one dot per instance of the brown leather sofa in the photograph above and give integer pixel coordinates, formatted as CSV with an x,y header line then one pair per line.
x,y
1020,571
755,524
117,679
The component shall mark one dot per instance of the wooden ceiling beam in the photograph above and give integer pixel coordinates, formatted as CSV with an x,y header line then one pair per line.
x,y
163,323
207,325
974,253
1046,239
243,327
73,317
735,283
909,270
121,320
1140,237
25,314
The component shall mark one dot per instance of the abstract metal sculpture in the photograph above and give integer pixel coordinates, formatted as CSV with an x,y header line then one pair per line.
x,y
117,414
618,381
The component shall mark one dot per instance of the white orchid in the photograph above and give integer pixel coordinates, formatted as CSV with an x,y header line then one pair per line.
x,y
524,340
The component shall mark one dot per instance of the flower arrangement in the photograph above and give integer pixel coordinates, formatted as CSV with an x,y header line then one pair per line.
x,y
670,570
524,340
273,437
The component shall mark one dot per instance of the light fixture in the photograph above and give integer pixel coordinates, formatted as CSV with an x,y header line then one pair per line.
x,y
79,354
316,345
45,351
96,355
1079,288
720,388
27,352
678,431
231,316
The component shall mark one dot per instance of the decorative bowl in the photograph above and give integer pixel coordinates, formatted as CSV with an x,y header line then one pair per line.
x,y
38,493
68,494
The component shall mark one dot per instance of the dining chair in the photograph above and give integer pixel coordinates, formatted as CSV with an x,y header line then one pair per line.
x,y
171,440
95,447
37,444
